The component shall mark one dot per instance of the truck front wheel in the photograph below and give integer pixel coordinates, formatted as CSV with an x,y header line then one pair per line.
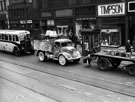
x,y
62,60
41,56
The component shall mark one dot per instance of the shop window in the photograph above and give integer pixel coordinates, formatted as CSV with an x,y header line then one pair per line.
x,y
110,37
72,2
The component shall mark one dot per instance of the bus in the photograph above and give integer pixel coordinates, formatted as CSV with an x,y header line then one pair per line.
x,y
16,41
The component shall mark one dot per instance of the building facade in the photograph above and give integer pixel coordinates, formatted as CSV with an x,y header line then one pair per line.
x,y
20,14
116,21
4,21
111,16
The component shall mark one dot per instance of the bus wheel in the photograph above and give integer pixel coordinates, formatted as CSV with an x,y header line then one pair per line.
x,y
62,60
131,69
41,56
16,51
103,64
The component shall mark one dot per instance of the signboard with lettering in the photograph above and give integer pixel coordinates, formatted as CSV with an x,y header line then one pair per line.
x,y
64,13
131,6
46,14
25,21
111,9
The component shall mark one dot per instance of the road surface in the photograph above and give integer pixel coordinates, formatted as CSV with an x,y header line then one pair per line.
x,y
30,82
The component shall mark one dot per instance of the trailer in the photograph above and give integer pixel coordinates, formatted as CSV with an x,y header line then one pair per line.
x,y
111,57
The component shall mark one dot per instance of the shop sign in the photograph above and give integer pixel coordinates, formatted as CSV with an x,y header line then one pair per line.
x,y
25,21
131,6
111,9
14,22
64,13
46,14
92,18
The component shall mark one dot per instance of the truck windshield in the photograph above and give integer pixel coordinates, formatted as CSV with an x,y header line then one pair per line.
x,y
66,44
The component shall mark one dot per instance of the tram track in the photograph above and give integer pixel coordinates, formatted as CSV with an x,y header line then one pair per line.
x,y
52,84
12,82
124,89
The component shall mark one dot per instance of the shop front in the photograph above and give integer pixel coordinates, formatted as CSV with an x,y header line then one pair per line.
x,y
85,17
64,22
111,19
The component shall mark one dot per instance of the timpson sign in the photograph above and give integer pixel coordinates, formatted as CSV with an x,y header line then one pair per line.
x,y
111,9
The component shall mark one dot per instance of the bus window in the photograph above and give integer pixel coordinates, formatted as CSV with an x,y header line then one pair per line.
x,y
6,37
14,38
3,37
27,37
17,39
0,37
10,37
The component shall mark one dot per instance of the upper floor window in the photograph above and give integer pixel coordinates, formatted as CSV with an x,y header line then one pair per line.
x,y
2,5
86,1
72,2
36,4
44,3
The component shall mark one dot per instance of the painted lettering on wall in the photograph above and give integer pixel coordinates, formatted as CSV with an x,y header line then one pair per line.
x,y
111,9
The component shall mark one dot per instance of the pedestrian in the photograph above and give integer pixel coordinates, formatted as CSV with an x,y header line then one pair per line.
x,y
128,46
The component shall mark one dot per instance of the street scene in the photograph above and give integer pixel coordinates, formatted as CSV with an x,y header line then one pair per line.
x,y
67,51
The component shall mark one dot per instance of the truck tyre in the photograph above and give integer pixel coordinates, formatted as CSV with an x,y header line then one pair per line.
x,y
103,64
131,69
62,60
41,56
16,51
